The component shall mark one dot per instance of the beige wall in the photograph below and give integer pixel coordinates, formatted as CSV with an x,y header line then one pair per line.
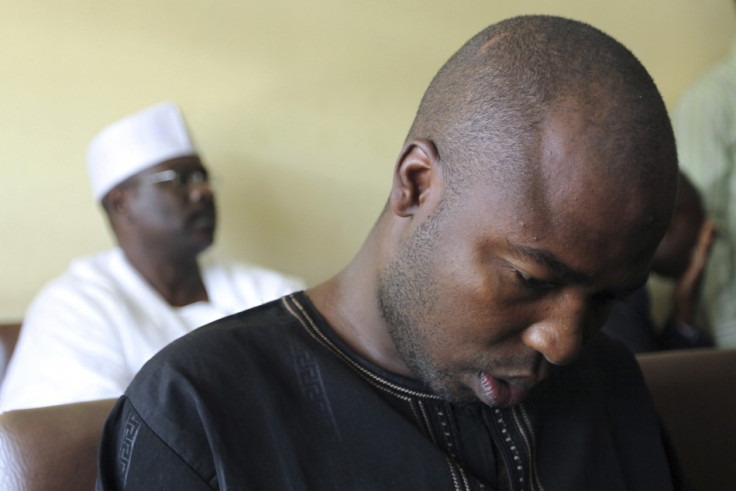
x,y
299,107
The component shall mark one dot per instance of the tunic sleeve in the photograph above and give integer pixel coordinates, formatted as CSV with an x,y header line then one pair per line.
x,y
133,456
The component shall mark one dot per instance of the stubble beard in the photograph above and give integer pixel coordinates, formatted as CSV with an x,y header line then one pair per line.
x,y
407,299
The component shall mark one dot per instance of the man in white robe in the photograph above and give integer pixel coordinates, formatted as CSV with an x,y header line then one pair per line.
x,y
89,331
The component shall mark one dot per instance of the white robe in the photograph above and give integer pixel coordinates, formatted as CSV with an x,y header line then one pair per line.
x,y
88,332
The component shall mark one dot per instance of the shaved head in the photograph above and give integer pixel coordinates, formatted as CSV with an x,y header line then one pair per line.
x,y
485,108
534,186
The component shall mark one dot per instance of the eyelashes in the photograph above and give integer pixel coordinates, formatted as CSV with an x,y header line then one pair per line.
x,y
539,286
535,284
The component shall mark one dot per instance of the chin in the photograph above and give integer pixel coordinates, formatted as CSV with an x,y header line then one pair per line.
x,y
454,392
202,245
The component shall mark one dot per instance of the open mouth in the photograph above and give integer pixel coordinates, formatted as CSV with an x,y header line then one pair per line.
x,y
498,392
204,217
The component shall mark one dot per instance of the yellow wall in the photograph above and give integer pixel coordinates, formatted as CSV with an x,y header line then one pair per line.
x,y
299,107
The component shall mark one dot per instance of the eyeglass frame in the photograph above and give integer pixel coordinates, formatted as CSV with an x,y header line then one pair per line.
x,y
179,177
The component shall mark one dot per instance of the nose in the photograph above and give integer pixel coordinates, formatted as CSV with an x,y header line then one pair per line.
x,y
199,191
562,328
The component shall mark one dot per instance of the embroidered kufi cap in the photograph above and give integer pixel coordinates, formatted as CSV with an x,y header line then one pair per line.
x,y
134,143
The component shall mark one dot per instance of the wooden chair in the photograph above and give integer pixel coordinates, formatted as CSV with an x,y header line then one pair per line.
x,y
52,448
8,338
695,394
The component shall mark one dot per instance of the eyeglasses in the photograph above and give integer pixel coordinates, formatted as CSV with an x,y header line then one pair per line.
x,y
178,177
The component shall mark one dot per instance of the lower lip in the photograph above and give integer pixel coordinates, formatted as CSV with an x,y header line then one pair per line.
x,y
496,392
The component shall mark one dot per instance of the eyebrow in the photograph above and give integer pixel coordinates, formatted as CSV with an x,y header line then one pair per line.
x,y
560,269
550,261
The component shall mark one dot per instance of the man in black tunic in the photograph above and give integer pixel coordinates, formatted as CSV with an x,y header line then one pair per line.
x,y
459,349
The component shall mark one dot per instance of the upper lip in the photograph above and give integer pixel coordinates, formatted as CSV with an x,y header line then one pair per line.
x,y
524,380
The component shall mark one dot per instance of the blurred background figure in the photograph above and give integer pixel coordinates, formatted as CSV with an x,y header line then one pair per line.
x,y
88,332
682,257
705,127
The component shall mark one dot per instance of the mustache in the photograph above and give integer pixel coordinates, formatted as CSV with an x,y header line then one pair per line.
x,y
206,208
206,211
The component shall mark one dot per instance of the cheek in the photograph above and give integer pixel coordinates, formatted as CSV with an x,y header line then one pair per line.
x,y
164,212
481,302
485,313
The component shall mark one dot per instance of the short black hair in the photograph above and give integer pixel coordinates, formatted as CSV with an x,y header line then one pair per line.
x,y
484,108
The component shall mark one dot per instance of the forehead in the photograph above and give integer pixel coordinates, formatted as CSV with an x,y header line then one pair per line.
x,y
571,206
594,179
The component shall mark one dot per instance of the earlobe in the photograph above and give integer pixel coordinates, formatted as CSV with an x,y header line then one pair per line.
x,y
417,177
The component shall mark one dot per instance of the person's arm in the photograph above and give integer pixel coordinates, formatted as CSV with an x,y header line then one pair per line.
x,y
705,127
132,456
681,330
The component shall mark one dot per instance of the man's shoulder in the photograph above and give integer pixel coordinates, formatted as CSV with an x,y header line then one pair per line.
x,y
251,336
253,272
236,270
270,319
87,276
231,359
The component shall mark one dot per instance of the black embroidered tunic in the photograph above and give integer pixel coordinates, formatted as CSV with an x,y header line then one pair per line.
x,y
271,399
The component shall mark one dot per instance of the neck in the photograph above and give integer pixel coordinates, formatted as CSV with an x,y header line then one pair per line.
x,y
349,303
177,279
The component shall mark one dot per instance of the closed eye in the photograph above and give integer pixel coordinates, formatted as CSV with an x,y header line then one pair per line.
x,y
535,284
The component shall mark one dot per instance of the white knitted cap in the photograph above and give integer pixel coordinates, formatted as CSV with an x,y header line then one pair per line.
x,y
134,143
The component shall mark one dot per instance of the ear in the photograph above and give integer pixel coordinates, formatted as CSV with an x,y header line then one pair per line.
x,y
417,177
116,202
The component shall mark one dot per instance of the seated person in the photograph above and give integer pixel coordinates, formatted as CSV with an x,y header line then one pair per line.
x,y
681,256
89,331
460,347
